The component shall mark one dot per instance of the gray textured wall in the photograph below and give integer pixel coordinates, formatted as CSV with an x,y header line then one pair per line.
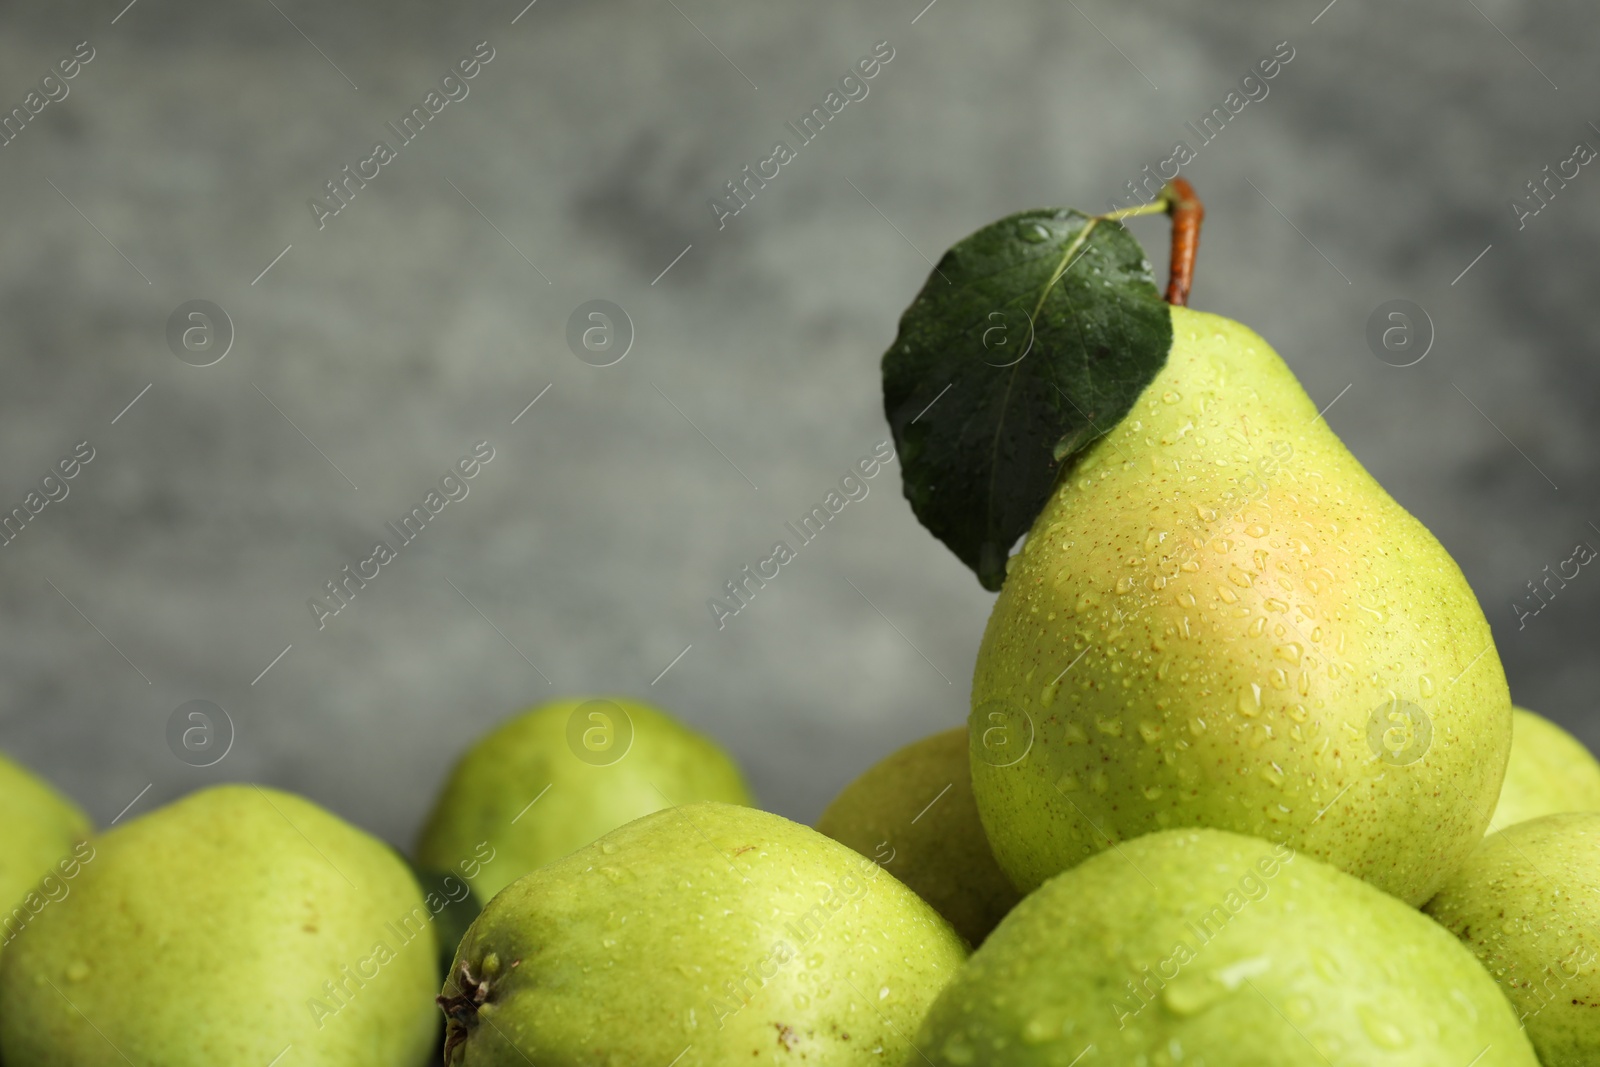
x,y
1383,162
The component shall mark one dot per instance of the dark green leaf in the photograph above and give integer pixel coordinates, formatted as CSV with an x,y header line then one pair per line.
x,y
1025,346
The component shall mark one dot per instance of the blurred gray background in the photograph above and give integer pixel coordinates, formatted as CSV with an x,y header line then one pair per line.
x,y
425,316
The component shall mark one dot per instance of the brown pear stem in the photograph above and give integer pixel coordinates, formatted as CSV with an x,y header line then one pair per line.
x,y
1187,213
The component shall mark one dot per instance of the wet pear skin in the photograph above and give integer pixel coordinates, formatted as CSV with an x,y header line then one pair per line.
x,y
1220,619
1527,903
217,932
725,931
1203,948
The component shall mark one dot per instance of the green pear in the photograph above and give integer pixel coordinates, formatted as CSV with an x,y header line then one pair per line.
x,y
1203,948
1550,771
699,936
1219,619
42,830
228,929
1527,902
913,812
557,776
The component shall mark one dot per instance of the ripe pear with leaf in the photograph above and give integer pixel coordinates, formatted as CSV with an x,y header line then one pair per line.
x,y
1550,771
1218,618
557,776
237,927
701,936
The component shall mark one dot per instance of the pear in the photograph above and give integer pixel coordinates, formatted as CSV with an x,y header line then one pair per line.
x,y
42,831
1219,619
699,936
1550,771
228,929
1208,948
557,776
1527,902
913,812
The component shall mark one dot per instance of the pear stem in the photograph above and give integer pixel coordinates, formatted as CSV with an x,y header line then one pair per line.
x,y
1178,200
1158,206
1187,213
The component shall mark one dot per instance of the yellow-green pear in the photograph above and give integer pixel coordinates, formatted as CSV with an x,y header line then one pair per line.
x,y
1220,619
1203,948
42,829
1527,902
700,936
237,927
1550,771
557,776
913,813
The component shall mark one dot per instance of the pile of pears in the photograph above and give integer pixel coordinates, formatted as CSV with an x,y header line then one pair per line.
x,y
1241,785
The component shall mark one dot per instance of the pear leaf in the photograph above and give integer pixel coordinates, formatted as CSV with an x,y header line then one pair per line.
x,y
1030,340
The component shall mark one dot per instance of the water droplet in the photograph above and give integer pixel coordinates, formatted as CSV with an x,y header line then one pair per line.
x,y
1235,974
608,847
1290,652
1250,701
1385,1032
1150,731
1171,397
1100,782
1068,782
1111,727
1327,966
1425,685
1190,996
1040,1029
1033,233
958,1052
